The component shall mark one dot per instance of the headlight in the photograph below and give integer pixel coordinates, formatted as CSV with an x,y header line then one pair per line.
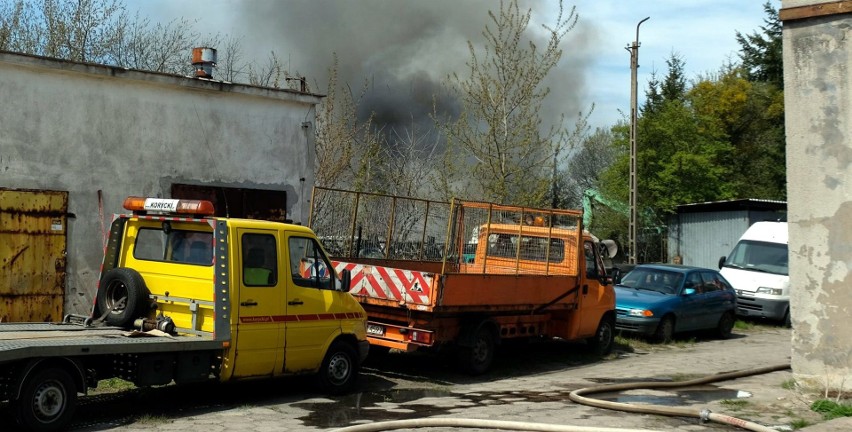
x,y
640,313
770,291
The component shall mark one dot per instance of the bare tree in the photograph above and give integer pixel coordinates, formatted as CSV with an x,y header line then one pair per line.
x,y
230,65
500,128
99,31
344,145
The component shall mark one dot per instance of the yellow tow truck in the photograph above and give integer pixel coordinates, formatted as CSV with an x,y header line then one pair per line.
x,y
187,297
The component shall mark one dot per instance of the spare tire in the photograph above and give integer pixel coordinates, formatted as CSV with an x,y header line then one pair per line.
x,y
117,284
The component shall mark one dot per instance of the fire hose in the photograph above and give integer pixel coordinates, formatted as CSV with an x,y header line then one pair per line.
x,y
578,397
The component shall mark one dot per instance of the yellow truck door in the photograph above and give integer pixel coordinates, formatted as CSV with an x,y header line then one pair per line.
x,y
261,307
313,310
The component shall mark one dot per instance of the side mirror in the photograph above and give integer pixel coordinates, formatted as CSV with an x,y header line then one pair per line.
x,y
345,280
616,275
689,291
722,262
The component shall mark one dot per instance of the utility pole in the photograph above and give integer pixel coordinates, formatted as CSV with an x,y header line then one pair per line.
x,y
634,65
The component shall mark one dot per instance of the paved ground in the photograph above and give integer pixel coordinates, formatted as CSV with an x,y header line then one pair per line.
x,y
529,383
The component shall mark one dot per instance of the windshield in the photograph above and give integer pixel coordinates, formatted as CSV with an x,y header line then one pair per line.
x,y
759,256
663,281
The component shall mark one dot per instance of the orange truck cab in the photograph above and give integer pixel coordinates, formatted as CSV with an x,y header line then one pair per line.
x,y
501,272
186,297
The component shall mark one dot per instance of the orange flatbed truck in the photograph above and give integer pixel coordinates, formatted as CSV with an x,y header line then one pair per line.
x,y
188,297
503,272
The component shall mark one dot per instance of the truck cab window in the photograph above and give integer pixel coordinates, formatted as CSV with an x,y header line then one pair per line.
x,y
260,260
592,264
190,247
308,265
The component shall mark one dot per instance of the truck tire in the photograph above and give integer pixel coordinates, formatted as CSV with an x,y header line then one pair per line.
x,y
121,283
603,340
47,402
476,359
339,369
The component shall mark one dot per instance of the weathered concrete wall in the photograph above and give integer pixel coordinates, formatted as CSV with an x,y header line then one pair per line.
x,y
84,128
818,93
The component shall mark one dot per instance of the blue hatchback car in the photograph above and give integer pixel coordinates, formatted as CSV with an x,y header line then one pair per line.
x,y
659,300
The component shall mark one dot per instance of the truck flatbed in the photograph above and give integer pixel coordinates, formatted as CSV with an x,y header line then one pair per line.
x,y
26,340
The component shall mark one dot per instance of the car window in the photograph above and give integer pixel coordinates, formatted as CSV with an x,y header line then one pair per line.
x,y
260,260
663,281
694,281
713,281
308,265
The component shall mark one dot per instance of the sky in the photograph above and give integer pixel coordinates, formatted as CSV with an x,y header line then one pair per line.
x,y
407,48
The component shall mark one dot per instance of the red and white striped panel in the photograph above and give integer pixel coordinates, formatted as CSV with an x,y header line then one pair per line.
x,y
388,283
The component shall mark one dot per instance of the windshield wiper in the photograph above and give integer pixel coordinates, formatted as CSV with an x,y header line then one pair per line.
x,y
733,265
758,269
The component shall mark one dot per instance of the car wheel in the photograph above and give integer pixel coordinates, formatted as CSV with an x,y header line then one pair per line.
x,y
786,320
665,330
601,343
339,369
726,324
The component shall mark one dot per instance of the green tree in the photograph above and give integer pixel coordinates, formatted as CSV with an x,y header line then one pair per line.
x,y
761,53
750,115
499,130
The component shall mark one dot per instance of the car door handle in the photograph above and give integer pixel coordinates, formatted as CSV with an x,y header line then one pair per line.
x,y
295,302
249,303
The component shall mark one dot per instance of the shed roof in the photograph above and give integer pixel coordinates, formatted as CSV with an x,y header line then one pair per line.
x,y
733,205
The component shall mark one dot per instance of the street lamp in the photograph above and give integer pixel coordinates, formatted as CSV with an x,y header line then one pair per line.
x,y
634,65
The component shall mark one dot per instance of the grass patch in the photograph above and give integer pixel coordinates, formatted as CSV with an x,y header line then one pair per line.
x,y
743,325
734,404
790,384
147,419
114,385
799,424
831,409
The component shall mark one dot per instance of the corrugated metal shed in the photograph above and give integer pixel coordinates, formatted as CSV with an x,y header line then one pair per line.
x,y
701,233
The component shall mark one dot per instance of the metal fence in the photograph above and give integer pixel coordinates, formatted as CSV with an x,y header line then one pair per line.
x,y
368,225
519,240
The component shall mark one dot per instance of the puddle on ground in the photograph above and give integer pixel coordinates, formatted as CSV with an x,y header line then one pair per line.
x,y
421,403
673,397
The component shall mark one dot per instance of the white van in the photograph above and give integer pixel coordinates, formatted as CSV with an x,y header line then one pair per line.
x,y
757,269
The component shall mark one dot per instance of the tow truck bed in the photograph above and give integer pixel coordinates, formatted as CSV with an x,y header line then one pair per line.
x,y
19,341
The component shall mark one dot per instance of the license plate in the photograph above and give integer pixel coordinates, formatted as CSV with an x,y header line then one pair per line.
x,y
375,329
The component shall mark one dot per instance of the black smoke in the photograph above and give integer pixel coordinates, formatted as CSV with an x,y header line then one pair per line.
x,y
403,50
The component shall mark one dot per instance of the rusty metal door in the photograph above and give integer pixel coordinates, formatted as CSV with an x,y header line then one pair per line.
x,y
32,255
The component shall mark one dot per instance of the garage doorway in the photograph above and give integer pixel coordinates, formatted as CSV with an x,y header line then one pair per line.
x,y
238,202
33,227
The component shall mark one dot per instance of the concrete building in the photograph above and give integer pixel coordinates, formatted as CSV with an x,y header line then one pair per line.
x,y
818,105
77,138
701,233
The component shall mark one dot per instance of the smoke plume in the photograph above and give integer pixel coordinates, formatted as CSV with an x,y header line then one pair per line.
x,y
404,50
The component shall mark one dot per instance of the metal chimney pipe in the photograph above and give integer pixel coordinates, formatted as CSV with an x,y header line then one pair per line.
x,y
204,60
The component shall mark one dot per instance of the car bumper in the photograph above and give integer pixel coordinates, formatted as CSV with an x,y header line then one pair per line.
x,y
752,306
644,326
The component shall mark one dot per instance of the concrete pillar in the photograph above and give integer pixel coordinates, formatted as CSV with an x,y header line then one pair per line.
x,y
818,104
